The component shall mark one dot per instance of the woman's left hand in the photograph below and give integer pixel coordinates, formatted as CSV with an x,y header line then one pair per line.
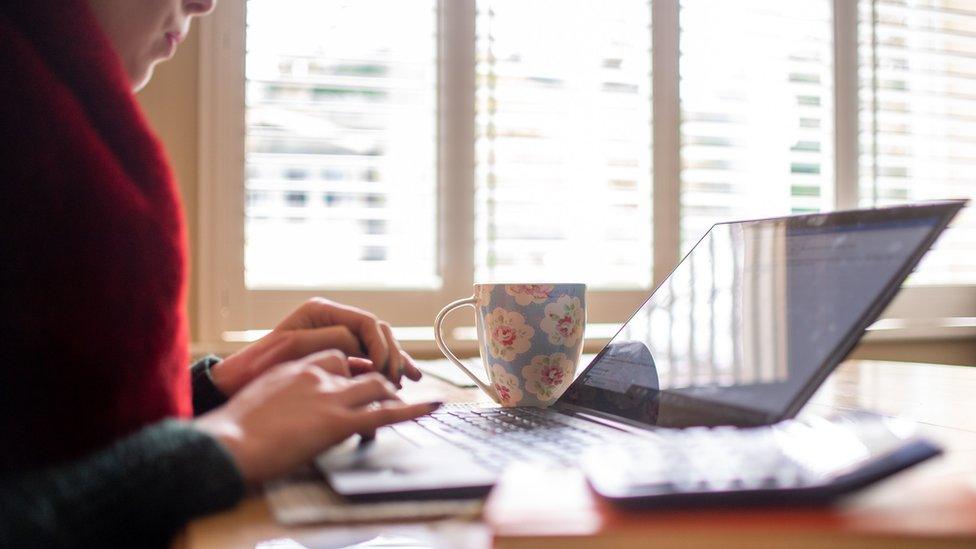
x,y
318,325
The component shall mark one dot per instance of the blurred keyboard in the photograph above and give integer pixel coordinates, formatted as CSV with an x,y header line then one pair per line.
x,y
810,460
497,436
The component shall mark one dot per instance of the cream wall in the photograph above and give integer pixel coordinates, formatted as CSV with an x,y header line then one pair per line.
x,y
170,102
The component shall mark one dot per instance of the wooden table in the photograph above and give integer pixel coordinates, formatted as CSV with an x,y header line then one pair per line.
x,y
934,503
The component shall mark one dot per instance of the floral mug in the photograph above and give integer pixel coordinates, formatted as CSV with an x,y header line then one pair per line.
x,y
530,337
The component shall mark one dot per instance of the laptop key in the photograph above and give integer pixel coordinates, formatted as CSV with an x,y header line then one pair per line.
x,y
496,436
418,435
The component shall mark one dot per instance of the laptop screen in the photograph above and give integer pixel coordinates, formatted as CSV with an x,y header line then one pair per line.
x,y
755,316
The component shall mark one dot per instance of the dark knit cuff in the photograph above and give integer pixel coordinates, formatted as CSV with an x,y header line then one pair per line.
x,y
137,492
206,395
208,470
164,476
178,471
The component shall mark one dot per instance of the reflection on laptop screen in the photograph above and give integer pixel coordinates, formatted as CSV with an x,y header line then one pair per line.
x,y
750,317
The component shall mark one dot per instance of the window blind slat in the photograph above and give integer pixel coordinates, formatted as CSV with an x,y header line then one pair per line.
x,y
341,144
756,105
563,181
918,127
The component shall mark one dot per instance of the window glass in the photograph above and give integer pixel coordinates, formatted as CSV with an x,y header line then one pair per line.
x,y
918,118
563,183
341,117
756,108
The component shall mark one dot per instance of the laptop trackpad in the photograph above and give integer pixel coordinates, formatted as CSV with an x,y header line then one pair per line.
x,y
391,468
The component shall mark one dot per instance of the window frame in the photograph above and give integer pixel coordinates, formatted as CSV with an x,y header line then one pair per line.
x,y
226,305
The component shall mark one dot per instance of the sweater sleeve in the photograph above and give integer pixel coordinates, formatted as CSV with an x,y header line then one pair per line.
x,y
137,492
206,395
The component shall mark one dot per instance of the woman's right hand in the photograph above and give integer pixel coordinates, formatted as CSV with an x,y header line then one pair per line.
x,y
291,413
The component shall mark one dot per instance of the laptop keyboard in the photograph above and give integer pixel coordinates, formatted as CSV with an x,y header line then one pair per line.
x,y
811,458
687,457
666,460
706,459
497,436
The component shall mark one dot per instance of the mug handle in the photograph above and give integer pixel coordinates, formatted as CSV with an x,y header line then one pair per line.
x,y
439,339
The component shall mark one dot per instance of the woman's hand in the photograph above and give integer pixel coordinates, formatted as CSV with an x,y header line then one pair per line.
x,y
293,412
318,325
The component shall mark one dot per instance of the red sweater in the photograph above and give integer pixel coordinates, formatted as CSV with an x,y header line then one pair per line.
x,y
92,246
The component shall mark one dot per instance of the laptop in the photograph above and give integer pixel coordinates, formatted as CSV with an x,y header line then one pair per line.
x,y
741,333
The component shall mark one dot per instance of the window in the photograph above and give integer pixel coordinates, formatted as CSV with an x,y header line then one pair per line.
x,y
392,152
757,137
563,141
343,122
918,113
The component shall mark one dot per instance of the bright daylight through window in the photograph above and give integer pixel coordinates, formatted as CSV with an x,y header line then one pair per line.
x,y
352,178
341,141
564,141
757,137
918,118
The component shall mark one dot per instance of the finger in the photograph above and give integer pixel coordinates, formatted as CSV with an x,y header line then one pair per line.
x,y
331,361
366,390
394,363
371,334
299,344
371,418
364,325
312,314
410,367
359,366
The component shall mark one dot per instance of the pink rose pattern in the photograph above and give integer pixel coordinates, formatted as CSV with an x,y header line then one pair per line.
x,y
563,321
529,293
506,386
508,334
482,294
547,375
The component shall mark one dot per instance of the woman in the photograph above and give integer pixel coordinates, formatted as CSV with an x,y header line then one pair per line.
x,y
95,398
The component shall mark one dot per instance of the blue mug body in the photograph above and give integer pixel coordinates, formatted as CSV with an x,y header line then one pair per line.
x,y
530,338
